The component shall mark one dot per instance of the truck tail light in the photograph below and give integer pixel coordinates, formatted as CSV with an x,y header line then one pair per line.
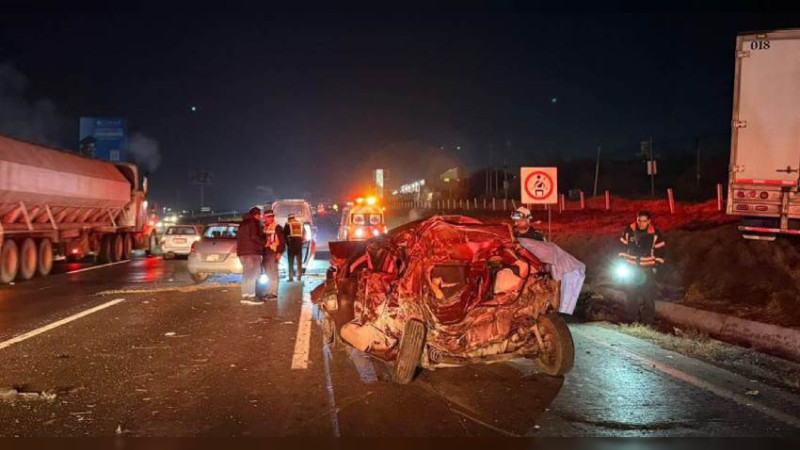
x,y
761,208
740,194
742,207
193,249
764,196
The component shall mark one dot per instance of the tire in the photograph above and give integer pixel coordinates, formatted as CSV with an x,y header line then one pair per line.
x,y
28,256
45,257
199,277
410,352
169,255
9,261
330,332
127,246
117,247
558,354
104,255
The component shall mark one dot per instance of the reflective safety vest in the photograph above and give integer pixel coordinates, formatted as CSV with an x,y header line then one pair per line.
x,y
642,247
295,229
272,240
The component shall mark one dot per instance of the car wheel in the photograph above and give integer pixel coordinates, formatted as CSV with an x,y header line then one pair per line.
x,y
199,277
330,333
169,255
410,352
558,354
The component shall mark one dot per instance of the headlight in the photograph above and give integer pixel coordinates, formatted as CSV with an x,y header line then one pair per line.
x,y
623,271
376,232
263,279
359,232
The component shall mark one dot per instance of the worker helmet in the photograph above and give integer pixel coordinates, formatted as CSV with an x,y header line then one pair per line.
x,y
521,213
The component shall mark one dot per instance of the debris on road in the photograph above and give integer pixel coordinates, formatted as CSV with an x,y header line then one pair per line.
x,y
13,394
753,392
170,334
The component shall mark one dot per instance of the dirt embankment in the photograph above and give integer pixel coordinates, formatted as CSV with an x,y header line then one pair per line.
x,y
709,265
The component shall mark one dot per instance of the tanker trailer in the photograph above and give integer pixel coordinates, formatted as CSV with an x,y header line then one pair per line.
x,y
54,202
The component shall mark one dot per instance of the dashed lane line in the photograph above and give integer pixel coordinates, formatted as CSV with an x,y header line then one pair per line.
x,y
58,323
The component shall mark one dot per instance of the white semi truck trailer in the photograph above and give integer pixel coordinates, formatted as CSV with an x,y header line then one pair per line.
x,y
53,202
765,140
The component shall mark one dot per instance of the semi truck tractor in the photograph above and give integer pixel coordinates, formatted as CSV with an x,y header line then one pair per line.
x,y
765,140
56,203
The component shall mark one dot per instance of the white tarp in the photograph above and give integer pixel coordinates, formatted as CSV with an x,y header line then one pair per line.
x,y
563,267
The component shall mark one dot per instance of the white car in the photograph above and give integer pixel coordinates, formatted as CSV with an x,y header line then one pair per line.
x,y
178,240
302,211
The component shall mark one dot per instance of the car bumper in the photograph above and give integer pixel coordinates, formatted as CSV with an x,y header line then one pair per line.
x,y
230,265
176,250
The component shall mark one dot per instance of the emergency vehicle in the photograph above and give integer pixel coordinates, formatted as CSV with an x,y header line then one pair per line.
x,y
362,220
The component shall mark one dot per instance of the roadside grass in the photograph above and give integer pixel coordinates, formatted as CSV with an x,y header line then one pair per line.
x,y
744,361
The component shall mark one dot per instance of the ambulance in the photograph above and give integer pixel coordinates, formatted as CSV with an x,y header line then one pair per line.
x,y
362,220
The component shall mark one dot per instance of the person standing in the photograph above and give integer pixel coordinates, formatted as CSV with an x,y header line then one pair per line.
x,y
642,248
250,248
274,244
295,238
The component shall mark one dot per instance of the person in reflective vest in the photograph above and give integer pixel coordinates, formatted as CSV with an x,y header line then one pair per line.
x,y
642,249
274,245
295,237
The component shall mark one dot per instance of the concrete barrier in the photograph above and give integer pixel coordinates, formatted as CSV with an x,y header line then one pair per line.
x,y
774,339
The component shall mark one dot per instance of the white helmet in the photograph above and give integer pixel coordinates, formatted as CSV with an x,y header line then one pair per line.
x,y
521,213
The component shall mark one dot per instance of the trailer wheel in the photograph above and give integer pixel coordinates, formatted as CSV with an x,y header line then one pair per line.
x,y
45,257
410,352
558,354
27,259
104,255
117,247
127,246
9,261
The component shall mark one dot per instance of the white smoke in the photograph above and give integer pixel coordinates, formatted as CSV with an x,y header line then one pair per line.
x,y
144,151
34,120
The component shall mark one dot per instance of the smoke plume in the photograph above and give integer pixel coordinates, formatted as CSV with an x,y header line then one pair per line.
x,y
34,120
144,151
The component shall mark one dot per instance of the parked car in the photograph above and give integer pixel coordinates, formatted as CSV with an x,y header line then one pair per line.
x,y
302,211
178,239
443,292
215,252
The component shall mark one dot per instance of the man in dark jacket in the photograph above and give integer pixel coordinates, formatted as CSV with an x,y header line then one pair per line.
x,y
250,248
642,251
274,245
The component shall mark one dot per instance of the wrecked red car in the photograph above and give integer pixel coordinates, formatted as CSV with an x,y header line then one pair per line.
x,y
442,292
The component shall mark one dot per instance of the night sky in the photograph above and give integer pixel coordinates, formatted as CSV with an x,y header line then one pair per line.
x,y
306,105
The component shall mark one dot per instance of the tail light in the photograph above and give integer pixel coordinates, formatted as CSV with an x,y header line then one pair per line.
x,y
761,208
742,207
764,195
740,194
163,241
193,249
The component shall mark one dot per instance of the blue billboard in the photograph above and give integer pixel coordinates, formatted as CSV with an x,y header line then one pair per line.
x,y
103,138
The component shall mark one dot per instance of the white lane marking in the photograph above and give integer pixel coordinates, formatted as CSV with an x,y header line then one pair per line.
x,y
302,342
56,324
697,382
99,267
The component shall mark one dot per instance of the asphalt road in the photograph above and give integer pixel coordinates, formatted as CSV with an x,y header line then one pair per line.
x,y
161,357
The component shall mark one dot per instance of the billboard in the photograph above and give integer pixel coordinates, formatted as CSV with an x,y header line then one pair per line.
x,y
103,138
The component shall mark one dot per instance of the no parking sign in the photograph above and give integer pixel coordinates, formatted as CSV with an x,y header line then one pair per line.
x,y
539,185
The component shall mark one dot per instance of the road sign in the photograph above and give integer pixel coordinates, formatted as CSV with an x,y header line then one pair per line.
x,y
202,178
652,167
539,185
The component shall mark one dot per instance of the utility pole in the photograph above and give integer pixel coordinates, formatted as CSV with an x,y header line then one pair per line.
x,y
596,172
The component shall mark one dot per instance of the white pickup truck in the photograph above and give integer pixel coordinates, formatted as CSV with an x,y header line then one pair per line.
x,y
765,139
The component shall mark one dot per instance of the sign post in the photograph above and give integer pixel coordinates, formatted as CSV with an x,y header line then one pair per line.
x,y
202,179
539,186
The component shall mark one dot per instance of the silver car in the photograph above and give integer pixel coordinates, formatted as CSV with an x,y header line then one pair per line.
x,y
215,252
178,239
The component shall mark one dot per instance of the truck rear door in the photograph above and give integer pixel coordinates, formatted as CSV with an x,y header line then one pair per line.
x,y
766,119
